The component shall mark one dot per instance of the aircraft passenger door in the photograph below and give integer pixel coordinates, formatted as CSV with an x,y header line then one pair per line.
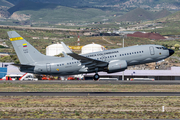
x,y
151,50
48,67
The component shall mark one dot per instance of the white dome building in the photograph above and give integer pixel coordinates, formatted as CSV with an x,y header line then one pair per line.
x,y
92,48
54,49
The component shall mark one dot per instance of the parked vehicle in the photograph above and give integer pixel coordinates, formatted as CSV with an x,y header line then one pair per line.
x,y
26,76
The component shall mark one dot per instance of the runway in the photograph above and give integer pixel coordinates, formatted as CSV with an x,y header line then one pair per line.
x,y
89,94
160,82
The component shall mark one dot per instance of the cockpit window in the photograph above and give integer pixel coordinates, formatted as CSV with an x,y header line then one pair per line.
x,y
164,48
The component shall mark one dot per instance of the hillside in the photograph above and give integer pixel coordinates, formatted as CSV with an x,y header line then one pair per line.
x,y
136,15
139,14
53,13
161,14
5,3
123,4
175,17
4,14
29,5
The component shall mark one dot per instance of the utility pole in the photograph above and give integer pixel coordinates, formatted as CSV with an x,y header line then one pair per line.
x,y
123,71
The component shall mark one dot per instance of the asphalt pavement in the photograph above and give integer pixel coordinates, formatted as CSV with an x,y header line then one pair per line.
x,y
158,82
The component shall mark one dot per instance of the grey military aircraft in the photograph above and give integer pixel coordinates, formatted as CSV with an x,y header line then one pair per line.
x,y
110,61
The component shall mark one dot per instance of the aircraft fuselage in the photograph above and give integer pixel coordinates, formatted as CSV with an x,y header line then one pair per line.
x,y
133,55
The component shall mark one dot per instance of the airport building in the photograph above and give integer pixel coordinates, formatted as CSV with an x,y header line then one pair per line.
x,y
8,69
172,74
3,72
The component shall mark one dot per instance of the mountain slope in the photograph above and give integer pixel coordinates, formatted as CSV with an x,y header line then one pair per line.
x,y
139,14
166,4
53,13
29,5
161,14
136,15
5,3
175,17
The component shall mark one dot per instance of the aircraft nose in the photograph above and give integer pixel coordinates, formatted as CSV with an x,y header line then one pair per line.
x,y
171,52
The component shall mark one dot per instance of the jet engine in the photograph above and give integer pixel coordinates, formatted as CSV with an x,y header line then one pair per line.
x,y
117,66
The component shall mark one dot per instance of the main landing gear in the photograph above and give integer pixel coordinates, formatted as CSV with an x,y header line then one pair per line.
x,y
96,77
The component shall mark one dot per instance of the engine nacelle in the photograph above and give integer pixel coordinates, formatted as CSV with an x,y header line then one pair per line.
x,y
117,66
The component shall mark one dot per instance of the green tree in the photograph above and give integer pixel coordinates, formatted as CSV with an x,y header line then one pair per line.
x,y
11,58
176,46
6,59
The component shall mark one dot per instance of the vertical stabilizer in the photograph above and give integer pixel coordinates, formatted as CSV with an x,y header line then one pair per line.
x,y
26,53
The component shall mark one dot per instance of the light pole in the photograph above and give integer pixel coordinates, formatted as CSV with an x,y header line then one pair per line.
x,y
123,71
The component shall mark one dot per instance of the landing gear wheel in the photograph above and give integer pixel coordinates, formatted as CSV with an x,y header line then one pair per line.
x,y
96,77
156,67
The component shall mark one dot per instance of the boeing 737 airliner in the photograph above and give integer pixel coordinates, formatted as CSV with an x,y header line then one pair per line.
x,y
114,60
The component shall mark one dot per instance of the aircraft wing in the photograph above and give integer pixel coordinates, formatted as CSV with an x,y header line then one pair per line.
x,y
88,62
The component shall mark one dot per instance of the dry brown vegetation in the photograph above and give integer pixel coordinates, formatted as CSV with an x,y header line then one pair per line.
x,y
17,87
89,107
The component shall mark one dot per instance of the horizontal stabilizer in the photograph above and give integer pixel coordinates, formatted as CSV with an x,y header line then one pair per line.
x,y
22,65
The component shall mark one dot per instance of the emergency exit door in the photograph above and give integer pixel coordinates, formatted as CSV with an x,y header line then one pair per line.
x,y
151,49
48,67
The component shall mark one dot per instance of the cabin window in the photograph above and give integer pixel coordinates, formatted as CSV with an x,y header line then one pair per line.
x,y
127,53
120,54
57,65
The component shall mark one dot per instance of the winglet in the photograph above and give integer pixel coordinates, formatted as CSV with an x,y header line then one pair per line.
x,y
67,50
65,55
